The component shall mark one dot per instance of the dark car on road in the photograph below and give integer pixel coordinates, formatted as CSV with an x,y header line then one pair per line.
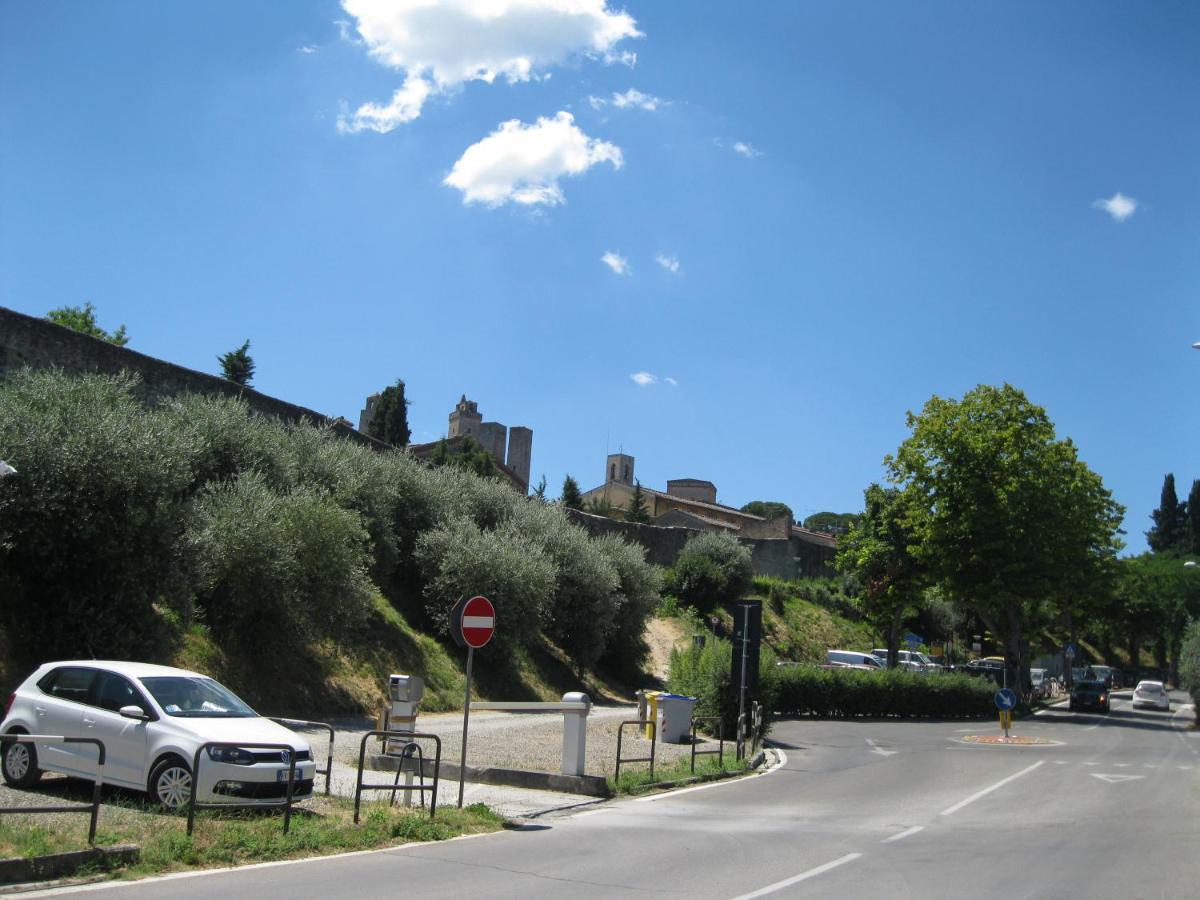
x,y
1089,695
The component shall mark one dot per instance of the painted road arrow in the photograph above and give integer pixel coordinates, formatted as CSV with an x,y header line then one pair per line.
x,y
1115,779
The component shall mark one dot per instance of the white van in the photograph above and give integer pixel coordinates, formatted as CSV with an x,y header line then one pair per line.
x,y
843,658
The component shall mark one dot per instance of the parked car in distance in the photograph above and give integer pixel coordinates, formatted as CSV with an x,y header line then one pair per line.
x,y
1039,683
852,658
1089,695
906,659
984,668
1151,693
152,720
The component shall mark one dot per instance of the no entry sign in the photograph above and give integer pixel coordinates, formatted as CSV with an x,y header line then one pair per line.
x,y
473,622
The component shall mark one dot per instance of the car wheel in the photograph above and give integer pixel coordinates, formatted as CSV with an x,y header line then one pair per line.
x,y
19,765
171,784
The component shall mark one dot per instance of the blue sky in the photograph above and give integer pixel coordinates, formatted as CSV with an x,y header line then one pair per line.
x,y
815,215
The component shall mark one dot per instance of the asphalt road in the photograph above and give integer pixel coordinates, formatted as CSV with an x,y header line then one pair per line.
x,y
873,810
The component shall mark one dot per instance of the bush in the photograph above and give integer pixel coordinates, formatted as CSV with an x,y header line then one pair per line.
x,y
846,693
291,565
1189,665
712,570
703,672
91,523
638,587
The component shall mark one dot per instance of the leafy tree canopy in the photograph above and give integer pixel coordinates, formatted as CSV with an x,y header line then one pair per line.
x,y
834,523
83,320
1170,532
469,455
571,497
389,420
768,509
237,365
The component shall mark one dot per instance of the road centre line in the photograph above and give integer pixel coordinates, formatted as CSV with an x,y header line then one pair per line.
x,y
902,835
796,879
995,787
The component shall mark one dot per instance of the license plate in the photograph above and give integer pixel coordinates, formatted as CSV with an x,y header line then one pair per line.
x,y
282,774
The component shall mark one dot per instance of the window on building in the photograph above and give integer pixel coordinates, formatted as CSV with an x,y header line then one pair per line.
x,y
612,472
627,471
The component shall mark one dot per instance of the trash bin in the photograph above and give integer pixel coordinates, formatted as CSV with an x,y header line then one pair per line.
x,y
675,718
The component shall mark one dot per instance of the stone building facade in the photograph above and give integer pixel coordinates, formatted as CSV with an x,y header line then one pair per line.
x,y
512,448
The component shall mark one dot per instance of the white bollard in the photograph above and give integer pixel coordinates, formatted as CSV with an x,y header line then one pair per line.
x,y
575,734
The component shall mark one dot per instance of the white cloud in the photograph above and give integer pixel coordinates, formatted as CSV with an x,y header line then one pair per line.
x,y
1118,206
644,379
631,99
307,49
672,382
446,43
670,263
405,106
618,263
746,150
521,163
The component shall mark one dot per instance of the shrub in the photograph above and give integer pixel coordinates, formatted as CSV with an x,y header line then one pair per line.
x,y
92,520
713,569
704,673
846,693
1189,665
289,564
638,586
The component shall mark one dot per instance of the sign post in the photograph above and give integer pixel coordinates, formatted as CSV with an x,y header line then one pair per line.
x,y
472,624
1006,702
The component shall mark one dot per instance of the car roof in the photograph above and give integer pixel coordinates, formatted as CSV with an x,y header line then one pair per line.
x,y
131,669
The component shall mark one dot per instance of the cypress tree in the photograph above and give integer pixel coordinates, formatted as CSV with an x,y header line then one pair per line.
x,y
1193,517
637,506
571,497
1168,531
237,365
389,421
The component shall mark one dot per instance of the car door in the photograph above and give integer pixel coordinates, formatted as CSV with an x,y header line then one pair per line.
x,y
125,740
59,709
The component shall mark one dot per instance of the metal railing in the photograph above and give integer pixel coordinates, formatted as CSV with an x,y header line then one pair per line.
x,y
286,803
408,737
301,723
720,751
645,723
93,807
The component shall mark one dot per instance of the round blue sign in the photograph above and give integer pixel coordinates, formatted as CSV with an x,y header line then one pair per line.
x,y
1006,699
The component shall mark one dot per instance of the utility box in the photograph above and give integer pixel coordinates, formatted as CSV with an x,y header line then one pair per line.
x,y
406,688
675,718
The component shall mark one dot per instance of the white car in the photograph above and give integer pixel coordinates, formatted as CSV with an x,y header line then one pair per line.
x,y
152,720
1151,693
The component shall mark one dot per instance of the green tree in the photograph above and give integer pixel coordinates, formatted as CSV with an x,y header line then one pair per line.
x,y
539,492
768,509
1012,524
469,455
882,550
1170,531
600,506
834,523
389,419
83,320
637,506
237,365
571,497
713,569
1193,517
1189,665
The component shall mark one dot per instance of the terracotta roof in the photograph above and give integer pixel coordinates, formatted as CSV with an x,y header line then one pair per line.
x,y
815,537
718,523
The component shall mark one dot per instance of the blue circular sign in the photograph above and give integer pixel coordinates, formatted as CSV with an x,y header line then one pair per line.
x,y
1006,699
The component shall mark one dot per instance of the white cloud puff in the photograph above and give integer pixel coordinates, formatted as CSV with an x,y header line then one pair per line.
x,y
746,150
308,49
1118,206
446,43
405,106
522,164
631,99
618,263
670,263
643,379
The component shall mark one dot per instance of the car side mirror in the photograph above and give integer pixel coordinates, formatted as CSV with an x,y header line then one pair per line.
x,y
134,712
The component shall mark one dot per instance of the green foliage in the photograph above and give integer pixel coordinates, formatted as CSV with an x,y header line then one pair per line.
x,y
831,522
275,564
845,693
1189,665
713,569
571,497
600,506
469,456
389,420
237,365
539,492
636,778
637,507
768,509
703,672
92,520
83,320
639,584
1170,531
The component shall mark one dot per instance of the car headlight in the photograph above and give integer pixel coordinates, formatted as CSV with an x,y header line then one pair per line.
x,y
235,755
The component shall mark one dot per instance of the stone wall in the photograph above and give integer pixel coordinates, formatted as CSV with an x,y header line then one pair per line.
x,y
40,344
663,545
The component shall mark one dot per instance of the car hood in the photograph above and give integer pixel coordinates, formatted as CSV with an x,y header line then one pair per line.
x,y
255,730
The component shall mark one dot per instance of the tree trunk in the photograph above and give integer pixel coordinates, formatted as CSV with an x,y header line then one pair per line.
x,y
893,639
1135,658
1015,658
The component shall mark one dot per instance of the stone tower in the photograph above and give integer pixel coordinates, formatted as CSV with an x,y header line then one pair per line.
x,y
520,449
465,419
619,469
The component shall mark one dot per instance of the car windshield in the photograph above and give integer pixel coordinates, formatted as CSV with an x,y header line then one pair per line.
x,y
196,697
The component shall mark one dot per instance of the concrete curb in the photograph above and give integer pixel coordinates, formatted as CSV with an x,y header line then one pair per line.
x,y
588,785
58,865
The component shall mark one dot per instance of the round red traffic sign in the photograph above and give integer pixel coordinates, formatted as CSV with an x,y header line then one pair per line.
x,y
478,621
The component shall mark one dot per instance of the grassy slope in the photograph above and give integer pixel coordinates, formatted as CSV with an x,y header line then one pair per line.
x,y
803,631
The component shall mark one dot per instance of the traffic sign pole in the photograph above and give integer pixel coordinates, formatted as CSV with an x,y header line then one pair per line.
x,y
462,766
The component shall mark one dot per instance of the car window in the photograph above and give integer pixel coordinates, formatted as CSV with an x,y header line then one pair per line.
x,y
113,691
68,683
196,697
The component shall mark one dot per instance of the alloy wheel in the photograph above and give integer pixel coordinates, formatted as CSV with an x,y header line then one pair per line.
x,y
174,787
16,761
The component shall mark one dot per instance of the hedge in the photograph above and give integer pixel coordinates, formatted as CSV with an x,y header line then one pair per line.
x,y
845,693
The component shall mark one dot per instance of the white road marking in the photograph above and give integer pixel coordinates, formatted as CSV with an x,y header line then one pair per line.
x,y
715,784
1091,764
902,835
796,879
1115,779
995,787
1122,765
1185,768
875,748
1150,765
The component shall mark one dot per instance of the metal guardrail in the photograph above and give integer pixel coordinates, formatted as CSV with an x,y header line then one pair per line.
x,y
93,807
653,744
408,737
286,803
720,751
301,723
